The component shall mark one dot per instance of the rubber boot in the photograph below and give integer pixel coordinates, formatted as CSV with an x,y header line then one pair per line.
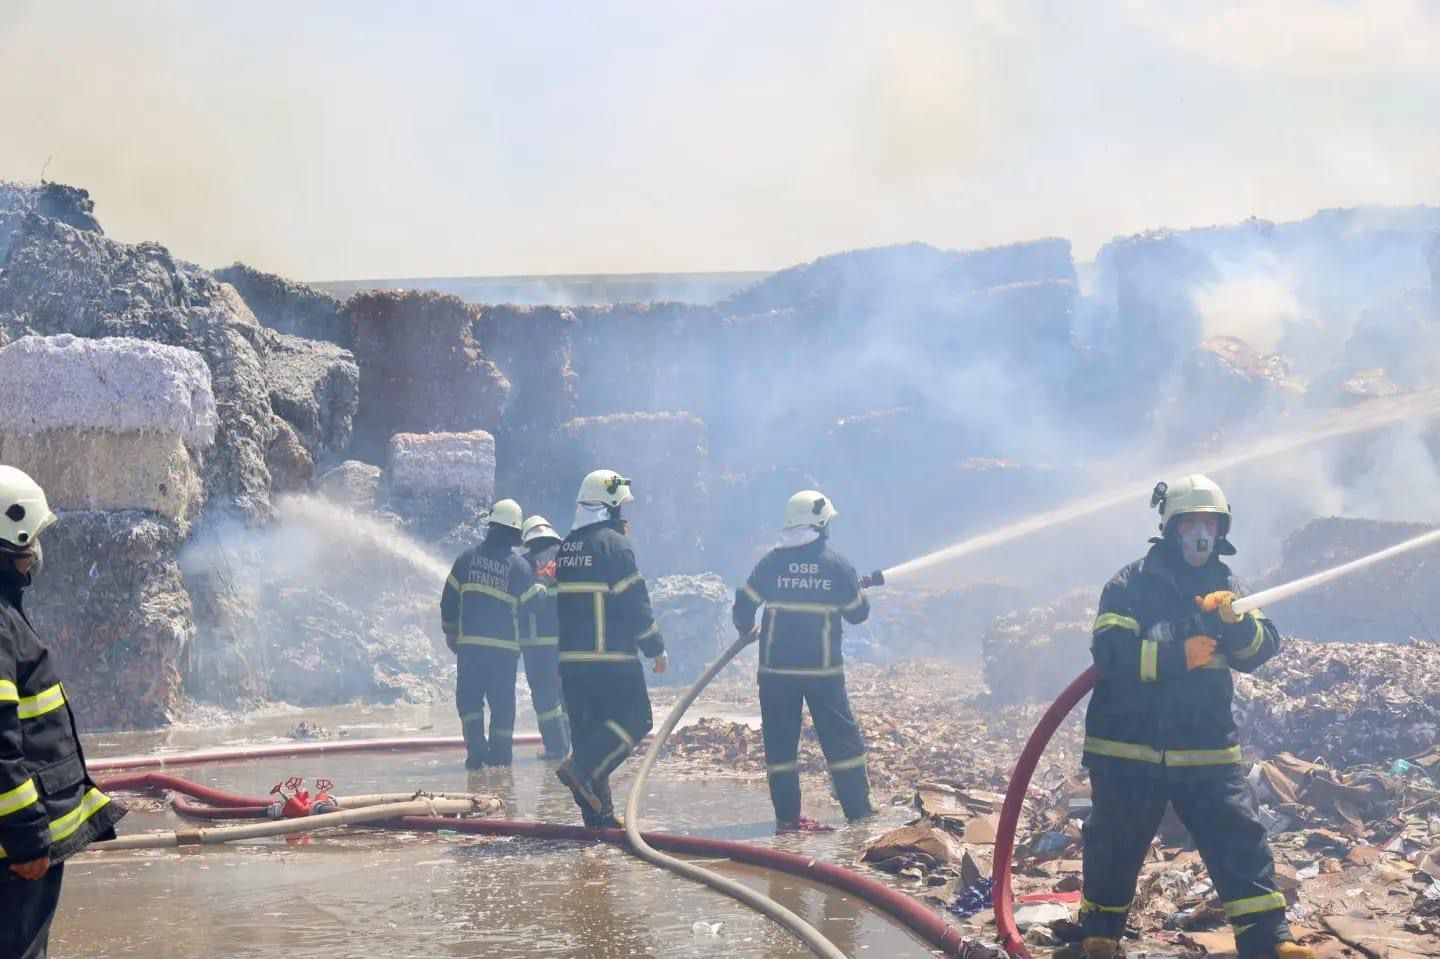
x,y
579,785
476,748
1293,950
1098,947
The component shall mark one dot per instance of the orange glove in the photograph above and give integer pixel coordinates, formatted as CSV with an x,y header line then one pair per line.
x,y
1198,650
1220,602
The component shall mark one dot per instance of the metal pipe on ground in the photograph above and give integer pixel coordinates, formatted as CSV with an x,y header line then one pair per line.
x,y
171,839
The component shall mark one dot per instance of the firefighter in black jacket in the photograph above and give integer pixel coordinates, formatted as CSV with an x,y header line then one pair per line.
x,y
486,598
807,589
1159,728
540,638
49,806
605,623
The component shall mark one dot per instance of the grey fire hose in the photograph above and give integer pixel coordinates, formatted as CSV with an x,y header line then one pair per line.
x,y
801,929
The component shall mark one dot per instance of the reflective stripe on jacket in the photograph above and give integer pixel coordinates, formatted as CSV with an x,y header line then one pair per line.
x,y
603,604
1149,713
806,591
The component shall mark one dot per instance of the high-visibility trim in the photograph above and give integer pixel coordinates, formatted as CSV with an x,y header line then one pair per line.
x,y
1115,621
450,625
550,714
1241,930
486,590
540,641
1203,757
652,630
621,732
1255,643
8,692
818,609
1089,905
579,656
599,622
579,587
472,717
43,702
780,769
854,762
21,797
1149,661
751,594
855,603
63,827
490,641
532,592
501,731
452,582
626,583
67,825
1269,902
825,643
1117,750
803,671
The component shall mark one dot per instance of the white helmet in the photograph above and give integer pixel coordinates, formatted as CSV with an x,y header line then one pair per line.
x,y
24,512
1195,493
507,512
809,508
537,527
605,488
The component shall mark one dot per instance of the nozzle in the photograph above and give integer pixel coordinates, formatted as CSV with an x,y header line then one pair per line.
x,y
876,578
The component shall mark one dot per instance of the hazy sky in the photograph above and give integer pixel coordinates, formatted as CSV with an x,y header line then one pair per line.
x,y
331,140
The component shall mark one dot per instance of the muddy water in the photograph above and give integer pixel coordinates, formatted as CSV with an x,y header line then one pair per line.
x,y
400,895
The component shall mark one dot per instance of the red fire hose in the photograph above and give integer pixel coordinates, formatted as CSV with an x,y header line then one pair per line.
x,y
1015,799
920,919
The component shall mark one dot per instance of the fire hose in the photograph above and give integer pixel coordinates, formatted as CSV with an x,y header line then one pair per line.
x,y
1067,700
900,907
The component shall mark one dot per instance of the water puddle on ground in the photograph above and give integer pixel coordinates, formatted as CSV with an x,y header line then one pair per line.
x,y
382,895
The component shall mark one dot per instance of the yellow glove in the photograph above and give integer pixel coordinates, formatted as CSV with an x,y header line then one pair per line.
x,y
1222,602
1198,650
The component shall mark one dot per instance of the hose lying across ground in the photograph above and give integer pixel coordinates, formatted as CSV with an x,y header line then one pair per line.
x,y
763,904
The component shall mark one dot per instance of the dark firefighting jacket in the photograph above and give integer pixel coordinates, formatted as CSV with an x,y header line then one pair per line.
x,y
1149,714
544,621
488,596
48,803
603,605
807,591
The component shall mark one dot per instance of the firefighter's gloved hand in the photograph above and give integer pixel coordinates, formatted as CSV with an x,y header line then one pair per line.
x,y
1293,950
662,663
1221,602
1198,650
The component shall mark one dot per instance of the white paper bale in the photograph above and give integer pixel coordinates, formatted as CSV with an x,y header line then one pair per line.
x,y
116,384
442,462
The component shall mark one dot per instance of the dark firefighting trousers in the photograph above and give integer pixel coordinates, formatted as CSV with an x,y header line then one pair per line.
x,y
782,699
1222,818
609,708
486,676
28,906
542,672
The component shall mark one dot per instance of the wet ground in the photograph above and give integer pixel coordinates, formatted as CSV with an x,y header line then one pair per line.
x,y
401,895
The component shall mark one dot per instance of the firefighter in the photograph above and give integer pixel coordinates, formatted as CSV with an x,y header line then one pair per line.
x,y
1159,729
49,806
605,623
540,638
806,589
486,597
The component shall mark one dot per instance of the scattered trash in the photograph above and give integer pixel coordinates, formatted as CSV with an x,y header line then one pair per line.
x,y
707,930
1040,913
